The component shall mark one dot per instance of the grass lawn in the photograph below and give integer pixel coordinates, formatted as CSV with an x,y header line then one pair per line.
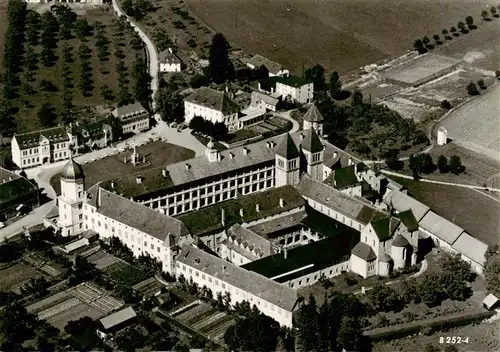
x,y
103,73
156,153
126,274
469,209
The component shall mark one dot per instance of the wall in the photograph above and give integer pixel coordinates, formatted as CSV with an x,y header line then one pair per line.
x,y
359,266
168,67
345,219
312,278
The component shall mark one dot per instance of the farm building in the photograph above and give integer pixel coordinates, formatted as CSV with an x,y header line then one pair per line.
x,y
423,69
115,321
168,61
134,118
290,88
491,302
274,68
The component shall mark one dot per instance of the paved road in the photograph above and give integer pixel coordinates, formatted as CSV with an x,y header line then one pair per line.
x,y
152,52
286,116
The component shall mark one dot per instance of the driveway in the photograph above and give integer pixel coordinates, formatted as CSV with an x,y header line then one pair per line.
x,y
286,116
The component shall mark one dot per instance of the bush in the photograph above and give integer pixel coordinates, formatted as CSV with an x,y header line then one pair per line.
x,y
445,104
350,280
472,89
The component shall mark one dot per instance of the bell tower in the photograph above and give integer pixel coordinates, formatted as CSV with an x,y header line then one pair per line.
x,y
70,201
287,167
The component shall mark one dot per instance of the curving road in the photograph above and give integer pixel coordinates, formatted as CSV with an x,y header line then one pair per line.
x,y
152,52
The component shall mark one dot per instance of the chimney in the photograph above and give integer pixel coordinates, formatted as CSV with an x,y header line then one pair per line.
x,y
223,217
302,136
113,184
224,269
282,203
335,154
257,207
164,172
10,178
3,180
231,156
285,253
268,144
241,212
188,166
350,161
138,180
245,150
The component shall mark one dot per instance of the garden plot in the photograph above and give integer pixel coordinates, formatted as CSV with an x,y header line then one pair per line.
x,y
103,260
148,287
15,276
126,274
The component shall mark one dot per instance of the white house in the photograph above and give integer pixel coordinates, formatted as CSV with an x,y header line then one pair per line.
x,y
290,88
274,68
168,61
212,105
263,101
40,147
134,118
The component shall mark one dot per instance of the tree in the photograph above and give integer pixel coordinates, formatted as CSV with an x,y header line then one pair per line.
x,y
455,165
83,334
47,86
357,98
431,348
469,20
106,93
436,37
492,273
426,40
350,332
82,271
461,26
480,83
334,84
197,123
445,104
308,325
442,164
316,74
219,131
257,332
427,164
384,298
198,81
128,7
453,30
82,28
472,89
493,11
497,74
416,163
445,32
450,348
220,68
142,87
47,115
17,325
141,8
484,15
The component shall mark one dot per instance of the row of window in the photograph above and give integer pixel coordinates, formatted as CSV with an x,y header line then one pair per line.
x,y
30,151
338,270
31,161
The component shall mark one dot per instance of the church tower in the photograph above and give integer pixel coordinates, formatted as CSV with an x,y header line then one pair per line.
x,y
71,199
313,119
287,168
211,153
312,147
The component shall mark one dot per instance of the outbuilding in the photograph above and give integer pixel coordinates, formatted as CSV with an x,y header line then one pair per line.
x,y
491,302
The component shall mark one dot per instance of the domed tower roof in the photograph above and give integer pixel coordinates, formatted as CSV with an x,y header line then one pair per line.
x,y
400,241
384,258
72,171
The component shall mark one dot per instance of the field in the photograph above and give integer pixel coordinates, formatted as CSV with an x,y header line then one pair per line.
x,y
481,338
103,73
469,209
156,153
340,35
12,278
475,125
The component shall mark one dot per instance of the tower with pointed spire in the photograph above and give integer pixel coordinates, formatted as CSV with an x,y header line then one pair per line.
x,y
211,153
312,148
313,119
287,170
71,199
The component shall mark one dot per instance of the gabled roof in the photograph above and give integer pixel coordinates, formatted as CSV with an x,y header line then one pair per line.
x,y
238,234
402,202
213,99
307,258
245,280
440,227
287,148
345,177
471,247
311,142
130,109
275,227
408,219
364,251
136,215
32,139
264,97
325,225
117,318
313,114
259,60
166,56
385,227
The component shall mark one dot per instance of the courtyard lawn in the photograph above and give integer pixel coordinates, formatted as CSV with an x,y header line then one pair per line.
x,y
157,154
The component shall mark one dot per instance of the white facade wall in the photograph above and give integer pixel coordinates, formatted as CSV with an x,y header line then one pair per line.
x,y
345,219
233,256
352,191
216,284
37,155
312,278
136,126
170,67
302,94
359,266
191,110
439,243
211,193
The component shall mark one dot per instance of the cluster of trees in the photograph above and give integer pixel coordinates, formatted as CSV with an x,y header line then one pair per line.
x,y
353,125
217,131
101,42
142,78
423,164
220,68
424,44
472,87
316,74
137,8
124,96
334,326
85,53
492,269
169,100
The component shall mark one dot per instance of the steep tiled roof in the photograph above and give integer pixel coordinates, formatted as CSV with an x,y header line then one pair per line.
x,y
402,202
137,215
400,241
135,108
167,57
332,156
364,251
268,228
213,99
245,280
352,207
345,177
440,227
208,219
320,254
408,220
32,139
17,188
471,247
385,227
259,60
313,114
287,148
264,97
238,234
311,142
